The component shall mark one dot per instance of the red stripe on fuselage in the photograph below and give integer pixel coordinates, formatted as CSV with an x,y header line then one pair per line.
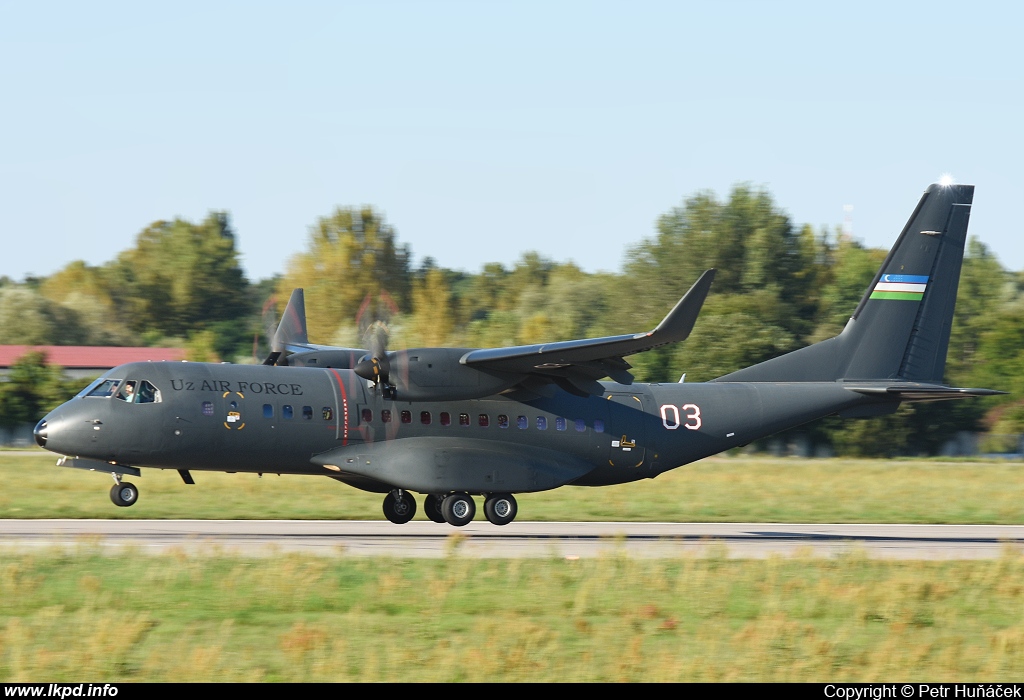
x,y
344,407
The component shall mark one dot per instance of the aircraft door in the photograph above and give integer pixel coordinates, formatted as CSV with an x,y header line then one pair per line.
x,y
626,431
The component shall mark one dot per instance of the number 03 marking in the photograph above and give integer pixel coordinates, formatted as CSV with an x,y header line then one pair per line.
x,y
670,416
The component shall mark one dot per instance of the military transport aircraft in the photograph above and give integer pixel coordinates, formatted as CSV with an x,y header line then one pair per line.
x,y
454,423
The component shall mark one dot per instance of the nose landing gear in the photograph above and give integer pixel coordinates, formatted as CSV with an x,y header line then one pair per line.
x,y
399,506
124,493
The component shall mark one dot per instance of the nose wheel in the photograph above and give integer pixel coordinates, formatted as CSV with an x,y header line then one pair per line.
x,y
399,507
124,494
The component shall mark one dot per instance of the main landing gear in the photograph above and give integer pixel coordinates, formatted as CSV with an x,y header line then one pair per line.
x,y
501,508
432,508
456,509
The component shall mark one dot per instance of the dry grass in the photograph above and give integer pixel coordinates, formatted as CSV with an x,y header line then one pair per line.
x,y
180,618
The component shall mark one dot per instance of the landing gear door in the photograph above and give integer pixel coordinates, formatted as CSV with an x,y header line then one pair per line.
x,y
626,431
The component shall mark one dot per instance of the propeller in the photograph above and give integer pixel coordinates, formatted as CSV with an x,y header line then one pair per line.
x,y
375,366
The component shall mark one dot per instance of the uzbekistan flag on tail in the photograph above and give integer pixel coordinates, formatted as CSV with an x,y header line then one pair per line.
x,y
904,287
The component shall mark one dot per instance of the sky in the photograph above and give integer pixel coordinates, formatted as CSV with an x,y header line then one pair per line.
x,y
485,130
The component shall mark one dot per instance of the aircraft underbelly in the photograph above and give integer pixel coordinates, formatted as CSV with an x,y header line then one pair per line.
x,y
439,465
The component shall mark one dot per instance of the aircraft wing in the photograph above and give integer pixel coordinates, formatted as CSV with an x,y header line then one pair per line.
x,y
582,362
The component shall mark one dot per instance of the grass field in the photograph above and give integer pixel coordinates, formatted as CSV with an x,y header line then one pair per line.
x,y
87,617
83,616
719,489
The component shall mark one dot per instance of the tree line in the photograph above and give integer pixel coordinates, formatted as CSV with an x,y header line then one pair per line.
x,y
779,286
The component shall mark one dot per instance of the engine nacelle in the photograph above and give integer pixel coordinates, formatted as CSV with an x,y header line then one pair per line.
x,y
338,358
435,374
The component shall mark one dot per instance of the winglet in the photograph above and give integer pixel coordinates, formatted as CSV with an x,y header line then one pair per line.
x,y
678,324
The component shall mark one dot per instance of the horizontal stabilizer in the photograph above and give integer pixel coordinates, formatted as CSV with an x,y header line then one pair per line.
x,y
909,391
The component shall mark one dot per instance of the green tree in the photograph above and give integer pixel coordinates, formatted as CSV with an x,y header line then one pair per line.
x,y
180,277
27,318
843,284
433,318
352,255
32,388
81,293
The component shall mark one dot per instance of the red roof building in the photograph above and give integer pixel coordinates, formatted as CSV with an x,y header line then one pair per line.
x,y
87,361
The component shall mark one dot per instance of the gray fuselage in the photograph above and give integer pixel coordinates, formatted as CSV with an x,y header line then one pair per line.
x,y
241,418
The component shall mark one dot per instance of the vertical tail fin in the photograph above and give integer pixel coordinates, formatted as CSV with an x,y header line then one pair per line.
x,y
291,331
900,329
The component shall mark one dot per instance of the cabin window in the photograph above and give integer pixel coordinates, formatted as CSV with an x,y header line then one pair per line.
x,y
598,426
425,417
483,420
385,416
207,408
328,413
127,392
268,410
307,412
464,419
407,416
367,415
287,412
581,425
502,421
559,423
522,423
446,418
542,423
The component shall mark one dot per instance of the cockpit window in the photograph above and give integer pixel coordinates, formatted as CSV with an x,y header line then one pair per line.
x,y
148,393
106,388
127,391
87,390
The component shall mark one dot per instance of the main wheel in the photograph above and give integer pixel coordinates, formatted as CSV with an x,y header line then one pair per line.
x,y
399,509
458,509
501,508
432,508
124,494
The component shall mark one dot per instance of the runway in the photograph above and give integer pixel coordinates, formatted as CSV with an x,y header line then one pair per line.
x,y
519,539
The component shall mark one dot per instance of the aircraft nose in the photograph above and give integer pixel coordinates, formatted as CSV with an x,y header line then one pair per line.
x,y
40,433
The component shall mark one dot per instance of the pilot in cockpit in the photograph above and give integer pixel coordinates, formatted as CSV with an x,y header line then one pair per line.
x,y
127,393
